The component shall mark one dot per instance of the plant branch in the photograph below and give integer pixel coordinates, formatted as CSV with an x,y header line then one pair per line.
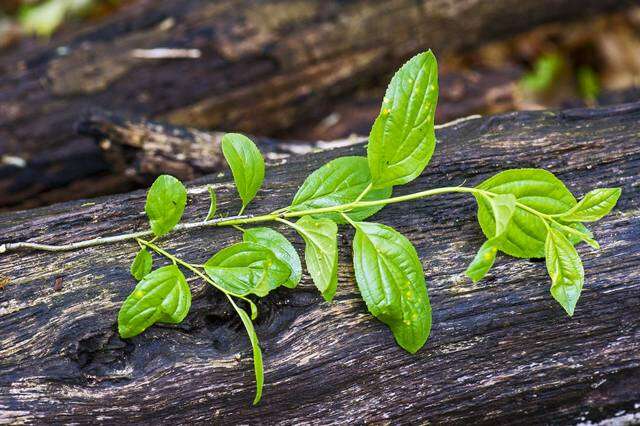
x,y
247,219
187,265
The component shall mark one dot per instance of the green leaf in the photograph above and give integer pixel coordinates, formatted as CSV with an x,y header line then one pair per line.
x,y
565,268
247,165
165,204
545,71
245,268
391,280
214,203
576,232
593,206
588,83
483,261
534,188
402,138
320,253
503,206
142,264
340,181
162,296
281,248
43,18
257,353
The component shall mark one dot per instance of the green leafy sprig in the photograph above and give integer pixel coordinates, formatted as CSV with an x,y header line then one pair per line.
x,y
525,213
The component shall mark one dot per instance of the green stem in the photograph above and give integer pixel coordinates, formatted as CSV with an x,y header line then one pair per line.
x,y
364,192
348,219
248,219
189,266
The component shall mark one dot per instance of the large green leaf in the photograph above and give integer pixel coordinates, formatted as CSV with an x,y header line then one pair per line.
x,y
245,268
340,181
162,296
391,280
142,264
321,252
565,268
165,204
281,248
247,164
402,138
502,206
535,188
593,206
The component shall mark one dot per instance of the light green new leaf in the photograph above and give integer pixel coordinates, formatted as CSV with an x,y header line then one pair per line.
x,y
142,264
257,353
482,262
593,206
503,206
391,280
402,138
320,253
165,204
340,181
281,248
534,188
213,205
576,232
245,268
247,165
162,296
565,268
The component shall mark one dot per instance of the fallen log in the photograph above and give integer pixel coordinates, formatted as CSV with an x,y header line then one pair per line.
x,y
501,351
143,149
255,66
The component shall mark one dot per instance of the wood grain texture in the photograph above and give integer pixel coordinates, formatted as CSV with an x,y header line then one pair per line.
x,y
501,351
141,150
263,67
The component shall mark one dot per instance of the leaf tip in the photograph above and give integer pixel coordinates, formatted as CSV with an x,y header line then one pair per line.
x,y
257,399
474,279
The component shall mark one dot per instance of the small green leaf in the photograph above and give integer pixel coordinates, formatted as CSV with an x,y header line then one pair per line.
x,y
576,232
534,188
340,181
482,262
565,268
503,206
162,296
257,353
402,138
165,204
281,248
214,203
593,206
247,268
320,253
247,165
142,264
391,280
545,71
588,83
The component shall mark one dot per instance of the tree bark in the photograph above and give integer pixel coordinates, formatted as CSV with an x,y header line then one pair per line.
x,y
501,351
143,149
254,66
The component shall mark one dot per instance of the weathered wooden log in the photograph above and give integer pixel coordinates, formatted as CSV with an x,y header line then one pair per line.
x,y
143,149
255,66
501,351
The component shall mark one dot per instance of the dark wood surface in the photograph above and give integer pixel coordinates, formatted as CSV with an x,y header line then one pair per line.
x,y
501,351
263,67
